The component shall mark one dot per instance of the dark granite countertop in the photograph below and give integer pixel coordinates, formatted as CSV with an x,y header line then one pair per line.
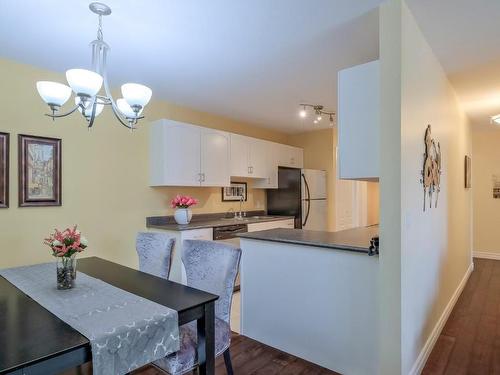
x,y
357,239
210,221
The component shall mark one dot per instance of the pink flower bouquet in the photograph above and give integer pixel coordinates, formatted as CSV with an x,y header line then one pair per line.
x,y
66,243
183,201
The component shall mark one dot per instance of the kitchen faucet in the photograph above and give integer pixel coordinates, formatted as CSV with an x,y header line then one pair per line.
x,y
241,202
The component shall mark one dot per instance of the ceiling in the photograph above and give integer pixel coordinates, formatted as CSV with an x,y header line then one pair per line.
x,y
465,36
253,61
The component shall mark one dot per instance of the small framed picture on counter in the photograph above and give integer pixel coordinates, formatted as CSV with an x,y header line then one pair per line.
x,y
234,192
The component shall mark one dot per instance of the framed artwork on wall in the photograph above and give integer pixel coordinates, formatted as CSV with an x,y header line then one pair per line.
x,y
4,170
467,167
39,171
234,192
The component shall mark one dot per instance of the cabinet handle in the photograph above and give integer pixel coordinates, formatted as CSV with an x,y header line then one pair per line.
x,y
248,168
199,177
203,177
251,170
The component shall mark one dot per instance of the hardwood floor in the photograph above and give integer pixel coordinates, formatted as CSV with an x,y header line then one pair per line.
x,y
249,357
470,341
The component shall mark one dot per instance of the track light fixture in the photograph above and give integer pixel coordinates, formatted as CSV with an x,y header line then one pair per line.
x,y
318,111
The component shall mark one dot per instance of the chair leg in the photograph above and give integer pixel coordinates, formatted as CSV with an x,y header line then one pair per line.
x,y
227,361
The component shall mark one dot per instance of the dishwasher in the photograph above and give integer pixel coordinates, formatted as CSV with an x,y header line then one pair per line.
x,y
228,234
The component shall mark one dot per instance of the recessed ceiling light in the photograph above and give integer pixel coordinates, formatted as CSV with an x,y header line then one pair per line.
x,y
495,119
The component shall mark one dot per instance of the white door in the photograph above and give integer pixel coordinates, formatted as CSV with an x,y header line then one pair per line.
x,y
240,154
314,214
181,154
215,154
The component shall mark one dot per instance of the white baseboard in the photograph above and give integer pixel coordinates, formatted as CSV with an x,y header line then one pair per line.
x,y
486,255
431,341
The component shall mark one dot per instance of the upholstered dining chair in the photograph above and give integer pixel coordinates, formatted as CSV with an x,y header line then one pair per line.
x,y
155,252
212,267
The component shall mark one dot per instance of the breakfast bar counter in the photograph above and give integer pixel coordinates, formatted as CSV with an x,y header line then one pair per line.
x,y
313,294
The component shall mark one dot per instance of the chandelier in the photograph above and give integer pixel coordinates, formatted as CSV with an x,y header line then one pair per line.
x,y
86,84
319,111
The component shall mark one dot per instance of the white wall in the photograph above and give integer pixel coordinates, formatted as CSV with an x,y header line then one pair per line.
x,y
435,252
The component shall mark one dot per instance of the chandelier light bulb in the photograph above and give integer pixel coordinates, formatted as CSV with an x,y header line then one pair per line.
x,y
136,95
53,93
315,121
126,109
319,118
303,113
88,110
84,82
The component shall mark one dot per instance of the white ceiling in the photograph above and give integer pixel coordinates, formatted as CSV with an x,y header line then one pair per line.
x,y
465,36
253,60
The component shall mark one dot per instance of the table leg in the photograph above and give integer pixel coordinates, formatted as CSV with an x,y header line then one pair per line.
x,y
206,340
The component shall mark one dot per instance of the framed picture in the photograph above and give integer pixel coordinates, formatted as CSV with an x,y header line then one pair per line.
x,y
39,171
4,170
467,166
234,192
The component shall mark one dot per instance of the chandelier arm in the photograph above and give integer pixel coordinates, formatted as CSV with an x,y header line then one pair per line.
x,y
63,114
92,116
118,114
118,117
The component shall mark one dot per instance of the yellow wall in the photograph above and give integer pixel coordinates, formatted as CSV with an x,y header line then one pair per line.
x,y
105,173
485,164
319,153
431,255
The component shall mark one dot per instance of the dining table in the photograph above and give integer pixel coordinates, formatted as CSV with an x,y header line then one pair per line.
x,y
35,341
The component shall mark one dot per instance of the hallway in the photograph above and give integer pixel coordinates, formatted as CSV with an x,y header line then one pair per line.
x,y
470,340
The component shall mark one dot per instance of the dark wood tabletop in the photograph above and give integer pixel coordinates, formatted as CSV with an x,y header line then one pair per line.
x,y
30,335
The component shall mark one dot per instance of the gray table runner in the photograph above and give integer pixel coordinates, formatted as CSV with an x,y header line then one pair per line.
x,y
125,330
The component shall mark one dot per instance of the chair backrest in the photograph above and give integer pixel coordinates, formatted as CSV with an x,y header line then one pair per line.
x,y
212,267
155,252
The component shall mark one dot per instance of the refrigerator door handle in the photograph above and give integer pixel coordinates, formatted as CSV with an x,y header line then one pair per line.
x,y
308,200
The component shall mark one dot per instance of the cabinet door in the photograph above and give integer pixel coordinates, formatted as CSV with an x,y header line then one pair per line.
x,y
175,154
291,156
240,153
215,154
272,162
258,158
358,122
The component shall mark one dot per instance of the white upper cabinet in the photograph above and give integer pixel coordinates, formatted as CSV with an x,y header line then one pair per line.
x,y
248,157
290,156
215,158
174,154
187,155
240,156
358,122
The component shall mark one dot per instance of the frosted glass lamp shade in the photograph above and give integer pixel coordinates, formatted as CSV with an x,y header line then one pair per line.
x,y
84,82
88,111
136,94
53,93
126,109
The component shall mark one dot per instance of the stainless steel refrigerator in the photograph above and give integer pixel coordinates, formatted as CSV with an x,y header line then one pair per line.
x,y
301,193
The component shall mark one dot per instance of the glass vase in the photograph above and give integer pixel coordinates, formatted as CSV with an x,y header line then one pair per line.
x,y
66,272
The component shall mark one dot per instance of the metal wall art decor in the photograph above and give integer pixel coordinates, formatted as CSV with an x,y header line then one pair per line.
x,y
39,171
4,170
431,173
